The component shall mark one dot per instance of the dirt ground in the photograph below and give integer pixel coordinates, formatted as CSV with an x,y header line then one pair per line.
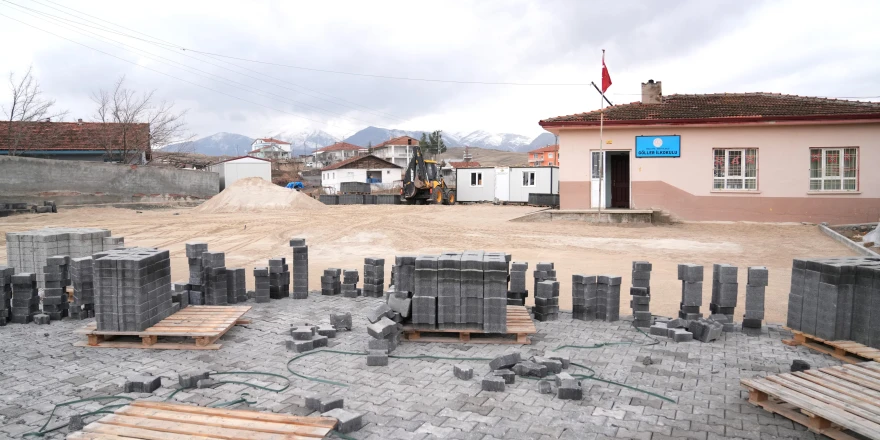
x,y
342,236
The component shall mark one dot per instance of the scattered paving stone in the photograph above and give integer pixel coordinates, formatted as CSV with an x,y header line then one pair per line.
x,y
323,403
659,329
682,335
319,341
341,321
676,323
493,383
375,314
563,376
545,387
799,365
553,366
377,358
463,372
508,376
505,361
570,389
381,328
565,360
142,384
302,333
206,383
191,379
300,346
348,421
529,368
327,330
41,318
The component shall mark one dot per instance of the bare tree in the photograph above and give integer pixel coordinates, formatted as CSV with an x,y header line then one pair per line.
x,y
26,107
126,140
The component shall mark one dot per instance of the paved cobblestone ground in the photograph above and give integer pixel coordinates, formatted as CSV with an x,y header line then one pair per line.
x,y
417,399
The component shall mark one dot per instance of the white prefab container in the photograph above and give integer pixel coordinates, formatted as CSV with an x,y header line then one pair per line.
x,y
475,184
240,168
528,180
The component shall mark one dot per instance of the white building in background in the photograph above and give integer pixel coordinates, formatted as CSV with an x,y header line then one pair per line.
x,y
371,169
270,142
337,152
505,184
398,150
242,167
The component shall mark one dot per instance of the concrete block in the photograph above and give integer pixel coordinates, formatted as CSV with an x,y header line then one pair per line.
x,y
377,313
300,346
564,360
190,379
528,368
41,318
381,328
492,383
377,358
463,372
508,375
324,403
206,383
545,387
142,384
569,389
347,421
505,361
302,333
341,321
658,329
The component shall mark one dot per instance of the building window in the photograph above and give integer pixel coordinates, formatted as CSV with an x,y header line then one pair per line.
x,y
476,179
528,178
834,169
735,169
597,165
549,155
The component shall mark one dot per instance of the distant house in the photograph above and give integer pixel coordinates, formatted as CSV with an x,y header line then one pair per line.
x,y
237,168
449,170
84,141
265,142
270,151
545,156
337,152
367,168
398,150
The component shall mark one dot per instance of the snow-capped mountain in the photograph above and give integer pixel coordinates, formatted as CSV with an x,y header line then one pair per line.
x,y
221,144
305,142
479,138
495,141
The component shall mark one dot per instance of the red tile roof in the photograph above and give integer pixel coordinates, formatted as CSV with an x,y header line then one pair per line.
x,y
75,136
724,108
340,146
548,148
470,164
351,160
274,141
400,140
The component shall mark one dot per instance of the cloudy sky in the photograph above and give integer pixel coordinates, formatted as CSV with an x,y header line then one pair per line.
x,y
693,46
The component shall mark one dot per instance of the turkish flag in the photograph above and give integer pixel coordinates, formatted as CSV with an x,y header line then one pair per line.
x,y
606,77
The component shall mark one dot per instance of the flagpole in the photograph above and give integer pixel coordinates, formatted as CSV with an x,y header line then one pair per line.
x,y
601,140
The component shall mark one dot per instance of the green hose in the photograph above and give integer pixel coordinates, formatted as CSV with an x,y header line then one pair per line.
x,y
43,430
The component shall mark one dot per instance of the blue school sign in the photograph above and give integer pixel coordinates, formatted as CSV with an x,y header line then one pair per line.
x,y
658,146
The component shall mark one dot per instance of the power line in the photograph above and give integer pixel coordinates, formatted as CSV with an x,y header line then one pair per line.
x,y
338,72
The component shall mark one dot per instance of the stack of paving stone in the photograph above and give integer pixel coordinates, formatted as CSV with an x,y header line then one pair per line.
x,y
640,302
5,293
261,284
583,297
374,277
547,301
544,272
331,284
836,299
691,276
756,283
351,199
132,288
82,279
608,298
300,268
279,278
350,280
424,300
724,290
449,315
25,298
55,300
517,293
496,269
179,297
385,334
310,337
472,302
354,188
194,251
404,273
214,278
706,330
236,288
28,251
370,199
387,199
329,199
641,276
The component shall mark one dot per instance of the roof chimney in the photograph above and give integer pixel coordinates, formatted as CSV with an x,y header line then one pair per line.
x,y
79,121
652,92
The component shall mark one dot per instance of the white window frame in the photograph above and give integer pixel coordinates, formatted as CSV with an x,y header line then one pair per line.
x,y
826,180
725,175
549,155
596,164
528,179
477,178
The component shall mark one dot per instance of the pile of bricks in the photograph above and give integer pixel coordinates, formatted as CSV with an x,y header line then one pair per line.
x,y
424,300
82,279
354,188
543,272
279,278
236,287
403,273
385,331
608,298
374,277
471,311
261,284
331,284
300,268
756,283
691,277
517,292
640,303
836,299
370,199
25,298
179,297
27,251
496,270
584,289
310,337
214,277
547,301
132,288
724,292
195,290
329,199
641,277
349,286
387,199
55,275
351,199
5,293
677,330
504,369
449,297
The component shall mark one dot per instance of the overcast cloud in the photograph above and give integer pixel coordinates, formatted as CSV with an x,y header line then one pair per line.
x,y
693,46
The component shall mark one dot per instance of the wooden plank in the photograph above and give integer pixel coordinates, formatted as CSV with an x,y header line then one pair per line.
x,y
156,346
853,376
222,422
829,396
190,429
139,433
827,378
453,339
796,416
867,372
326,422
80,435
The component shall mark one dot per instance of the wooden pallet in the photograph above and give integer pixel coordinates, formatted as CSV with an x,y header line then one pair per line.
x,y
203,324
519,327
172,421
834,401
846,351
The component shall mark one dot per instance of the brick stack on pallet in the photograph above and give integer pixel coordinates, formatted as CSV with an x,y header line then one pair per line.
x,y
583,297
354,188
195,290
55,300
374,277
404,273
25,298
449,311
836,299
517,292
496,269
329,199
691,276
596,297
300,269
546,301
236,287
214,278
28,251
351,199
724,292
640,294
279,278
82,279
331,284
349,286
756,283
370,199
132,288
472,289
387,199
261,285
179,297
424,300
543,272
5,293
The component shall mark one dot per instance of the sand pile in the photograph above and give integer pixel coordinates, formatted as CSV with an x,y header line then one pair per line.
x,y
256,194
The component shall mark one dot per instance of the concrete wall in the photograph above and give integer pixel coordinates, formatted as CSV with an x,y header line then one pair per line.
x,y
683,186
75,182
